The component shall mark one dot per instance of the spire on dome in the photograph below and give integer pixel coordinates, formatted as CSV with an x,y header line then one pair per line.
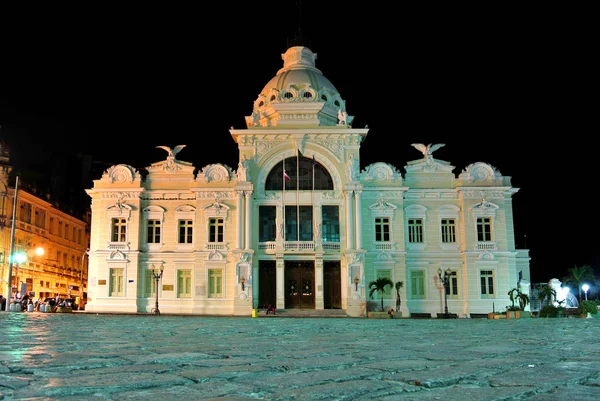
x,y
299,39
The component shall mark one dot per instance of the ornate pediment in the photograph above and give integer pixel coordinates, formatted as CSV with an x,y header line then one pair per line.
x,y
215,173
381,172
480,172
121,173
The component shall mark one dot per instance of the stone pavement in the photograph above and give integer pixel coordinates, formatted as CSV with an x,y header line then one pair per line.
x,y
86,356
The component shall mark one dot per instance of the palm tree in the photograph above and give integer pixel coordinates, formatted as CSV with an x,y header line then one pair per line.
x,y
379,286
578,275
546,294
399,285
516,295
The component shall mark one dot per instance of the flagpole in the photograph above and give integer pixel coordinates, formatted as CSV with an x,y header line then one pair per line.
x,y
312,193
283,197
297,196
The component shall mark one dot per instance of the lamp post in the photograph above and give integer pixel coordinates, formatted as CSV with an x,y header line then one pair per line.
x,y
243,282
445,279
157,274
356,281
585,289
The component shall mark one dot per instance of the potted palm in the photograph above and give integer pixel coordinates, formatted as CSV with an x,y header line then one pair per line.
x,y
515,295
379,286
399,285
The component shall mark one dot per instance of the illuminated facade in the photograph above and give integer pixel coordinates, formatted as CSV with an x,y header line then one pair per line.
x,y
49,244
298,224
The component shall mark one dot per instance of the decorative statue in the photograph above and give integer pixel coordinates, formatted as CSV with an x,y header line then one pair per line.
x,y
342,117
243,171
172,152
428,150
351,168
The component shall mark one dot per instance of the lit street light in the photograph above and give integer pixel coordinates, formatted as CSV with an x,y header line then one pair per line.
x,y
157,274
585,289
445,278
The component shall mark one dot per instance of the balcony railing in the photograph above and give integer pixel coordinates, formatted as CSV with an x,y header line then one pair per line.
x,y
486,246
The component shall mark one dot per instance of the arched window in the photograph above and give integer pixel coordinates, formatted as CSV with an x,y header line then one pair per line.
x,y
300,173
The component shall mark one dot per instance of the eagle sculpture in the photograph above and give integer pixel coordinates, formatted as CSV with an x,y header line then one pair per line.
x,y
429,149
172,152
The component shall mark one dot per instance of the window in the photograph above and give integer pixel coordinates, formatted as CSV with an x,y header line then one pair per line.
x,y
119,229
330,228
215,283
487,282
415,230
417,284
117,283
215,229
153,231
186,231
51,225
484,229
448,230
305,231
184,283
40,218
306,174
382,229
26,212
267,215
452,288
67,227
149,284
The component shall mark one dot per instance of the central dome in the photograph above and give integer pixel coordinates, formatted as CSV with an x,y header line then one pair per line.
x,y
299,90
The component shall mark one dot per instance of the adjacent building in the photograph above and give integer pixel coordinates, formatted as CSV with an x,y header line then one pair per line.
x,y
46,244
299,225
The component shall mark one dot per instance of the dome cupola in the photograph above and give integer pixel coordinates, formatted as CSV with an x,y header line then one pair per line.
x,y
298,95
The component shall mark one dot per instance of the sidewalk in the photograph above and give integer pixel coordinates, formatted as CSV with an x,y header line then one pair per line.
x,y
84,356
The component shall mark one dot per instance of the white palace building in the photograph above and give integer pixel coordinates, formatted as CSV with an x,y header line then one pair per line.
x,y
298,225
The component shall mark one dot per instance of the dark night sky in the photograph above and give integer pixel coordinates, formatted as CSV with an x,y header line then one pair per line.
x,y
510,87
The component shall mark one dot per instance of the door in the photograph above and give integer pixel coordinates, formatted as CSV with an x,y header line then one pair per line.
x,y
299,285
267,284
332,285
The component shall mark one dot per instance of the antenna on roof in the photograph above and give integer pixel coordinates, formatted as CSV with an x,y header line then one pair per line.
x,y
299,39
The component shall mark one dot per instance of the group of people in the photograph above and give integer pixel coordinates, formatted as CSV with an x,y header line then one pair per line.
x,y
26,300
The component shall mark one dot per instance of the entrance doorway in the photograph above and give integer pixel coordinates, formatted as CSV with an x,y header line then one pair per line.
x,y
299,284
267,283
332,285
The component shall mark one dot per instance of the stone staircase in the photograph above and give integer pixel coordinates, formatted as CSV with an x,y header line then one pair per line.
x,y
299,313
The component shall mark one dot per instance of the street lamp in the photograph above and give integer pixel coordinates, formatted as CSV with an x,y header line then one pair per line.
x,y
157,274
585,289
356,281
243,281
445,278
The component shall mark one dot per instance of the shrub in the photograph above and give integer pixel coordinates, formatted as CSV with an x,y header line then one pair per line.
x,y
590,307
549,311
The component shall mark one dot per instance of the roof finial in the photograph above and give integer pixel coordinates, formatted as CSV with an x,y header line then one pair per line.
x,y
299,39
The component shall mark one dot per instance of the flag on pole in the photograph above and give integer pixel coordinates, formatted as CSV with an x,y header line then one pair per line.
x,y
286,176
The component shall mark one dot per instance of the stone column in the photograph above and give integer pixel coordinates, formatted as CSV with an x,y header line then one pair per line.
x,y
248,219
349,220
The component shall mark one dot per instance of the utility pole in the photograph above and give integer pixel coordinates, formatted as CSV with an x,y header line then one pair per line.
x,y
12,245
